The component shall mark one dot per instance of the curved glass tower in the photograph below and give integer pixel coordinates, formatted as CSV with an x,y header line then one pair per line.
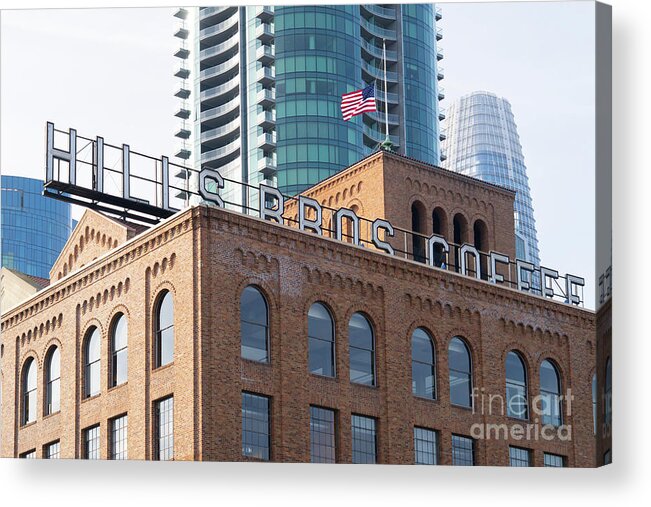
x,y
261,88
34,228
483,142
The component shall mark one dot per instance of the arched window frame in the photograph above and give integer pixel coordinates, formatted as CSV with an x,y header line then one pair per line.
x,y
515,387
92,365
53,380
552,413
29,391
317,340
244,324
117,376
455,373
370,376
419,363
608,393
162,332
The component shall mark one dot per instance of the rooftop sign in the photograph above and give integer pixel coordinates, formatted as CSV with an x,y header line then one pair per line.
x,y
141,188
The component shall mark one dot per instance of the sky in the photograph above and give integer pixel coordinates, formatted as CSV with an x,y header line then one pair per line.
x,y
109,72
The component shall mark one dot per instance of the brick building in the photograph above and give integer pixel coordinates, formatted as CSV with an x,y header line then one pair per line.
x,y
216,335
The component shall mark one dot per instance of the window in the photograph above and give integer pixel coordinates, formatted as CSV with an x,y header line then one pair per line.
x,y
423,373
460,373
92,362
608,458
516,387
463,451
29,454
519,457
321,340
29,391
52,450
119,438
550,391
362,350
164,429
594,403
164,329
119,351
425,446
255,426
364,439
254,325
53,381
91,443
554,460
322,435
608,394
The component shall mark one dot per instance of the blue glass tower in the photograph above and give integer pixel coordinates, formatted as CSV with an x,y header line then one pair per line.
x,y
483,142
34,228
261,88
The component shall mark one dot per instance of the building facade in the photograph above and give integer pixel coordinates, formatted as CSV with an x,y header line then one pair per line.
x,y
34,228
217,335
261,89
482,142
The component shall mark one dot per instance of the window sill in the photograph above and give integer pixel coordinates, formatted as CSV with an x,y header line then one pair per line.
x,y
426,399
257,363
463,407
53,414
27,425
326,377
115,388
164,367
88,398
365,386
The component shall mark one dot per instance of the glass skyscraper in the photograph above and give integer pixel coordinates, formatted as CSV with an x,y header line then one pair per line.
x,y
482,142
261,88
34,228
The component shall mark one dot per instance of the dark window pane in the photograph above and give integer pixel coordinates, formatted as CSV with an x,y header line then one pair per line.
x,y
554,460
460,373
550,394
364,439
425,446
321,346
52,451
322,435
255,426
519,457
516,386
423,372
362,350
463,451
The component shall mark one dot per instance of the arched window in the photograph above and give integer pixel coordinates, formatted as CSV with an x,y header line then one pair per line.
x,y
460,226
164,329
418,226
119,350
460,366
254,325
362,350
29,391
53,381
423,372
440,227
550,392
517,404
321,340
608,394
481,244
594,403
92,362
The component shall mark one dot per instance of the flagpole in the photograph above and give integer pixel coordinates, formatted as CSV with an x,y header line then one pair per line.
x,y
387,141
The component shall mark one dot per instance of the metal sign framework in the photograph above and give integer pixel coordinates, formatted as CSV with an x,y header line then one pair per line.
x,y
142,191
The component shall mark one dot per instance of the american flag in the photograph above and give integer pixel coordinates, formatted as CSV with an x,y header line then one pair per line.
x,y
358,102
